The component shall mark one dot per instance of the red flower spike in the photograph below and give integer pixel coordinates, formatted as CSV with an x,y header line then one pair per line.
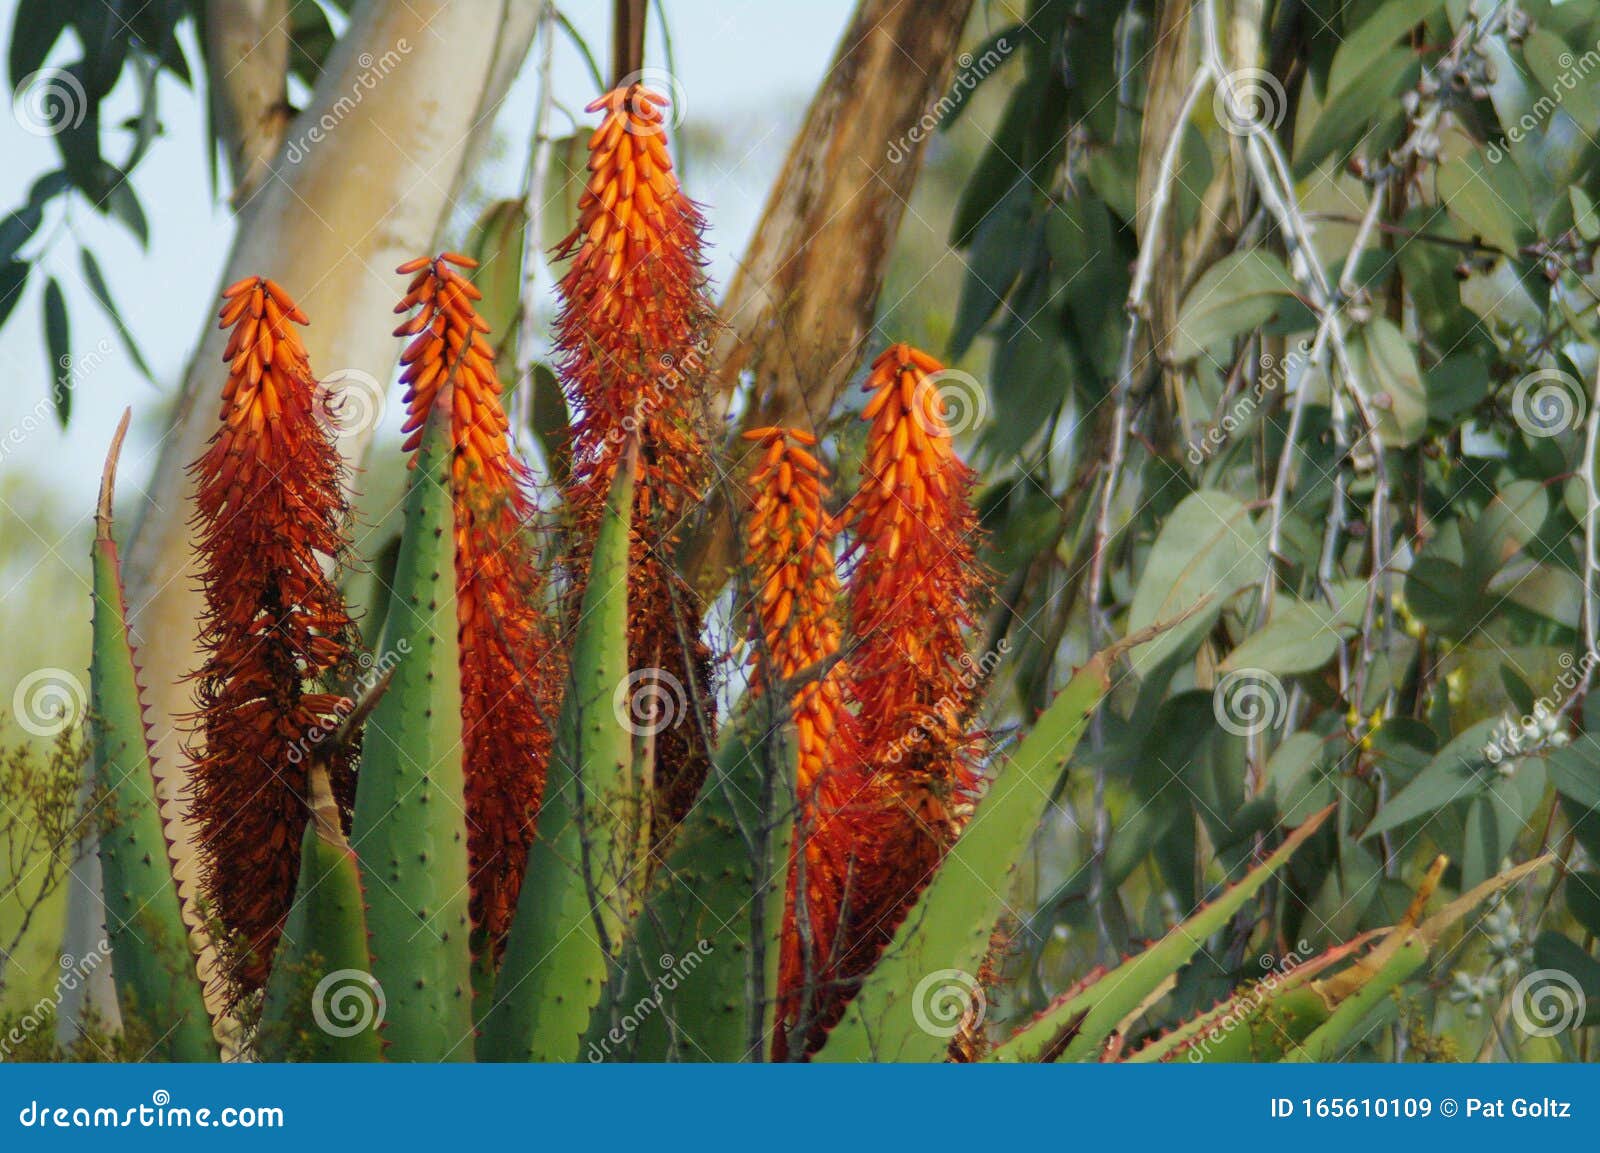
x,y
789,552
911,596
269,515
511,672
632,339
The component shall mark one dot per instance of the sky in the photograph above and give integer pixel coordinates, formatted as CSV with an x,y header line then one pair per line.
x,y
746,70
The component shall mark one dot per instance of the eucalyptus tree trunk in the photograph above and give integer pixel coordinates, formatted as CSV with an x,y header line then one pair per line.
x,y
359,181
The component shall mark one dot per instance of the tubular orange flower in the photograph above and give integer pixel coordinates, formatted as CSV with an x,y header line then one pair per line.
x,y
632,337
269,514
789,551
911,596
510,671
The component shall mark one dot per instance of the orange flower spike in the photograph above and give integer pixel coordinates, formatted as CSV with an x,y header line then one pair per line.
x,y
911,596
632,341
510,669
789,551
275,633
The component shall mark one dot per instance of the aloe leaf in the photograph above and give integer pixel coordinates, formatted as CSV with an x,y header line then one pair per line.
x,y
571,913
700,972
322,1002
1260,1021
156,978
946,934
409,829
1093,1013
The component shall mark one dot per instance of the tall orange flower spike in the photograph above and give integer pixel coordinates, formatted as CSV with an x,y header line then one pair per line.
x,y
911,596
277,639
789,552
632,339
509,668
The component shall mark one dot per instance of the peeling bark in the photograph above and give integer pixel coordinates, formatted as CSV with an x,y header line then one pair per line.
x,y
800,309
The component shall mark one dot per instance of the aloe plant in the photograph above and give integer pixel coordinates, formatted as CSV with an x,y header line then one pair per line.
x,y
678,894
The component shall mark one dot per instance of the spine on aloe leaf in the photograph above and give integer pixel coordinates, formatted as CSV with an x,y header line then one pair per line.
x,y
511,672
270,519
633,341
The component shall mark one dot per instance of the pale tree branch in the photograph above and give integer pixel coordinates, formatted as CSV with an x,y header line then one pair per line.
x,y
247,72
799,312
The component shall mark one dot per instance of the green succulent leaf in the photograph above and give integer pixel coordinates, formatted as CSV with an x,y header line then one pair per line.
x,y
409,831
572,912
156,978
